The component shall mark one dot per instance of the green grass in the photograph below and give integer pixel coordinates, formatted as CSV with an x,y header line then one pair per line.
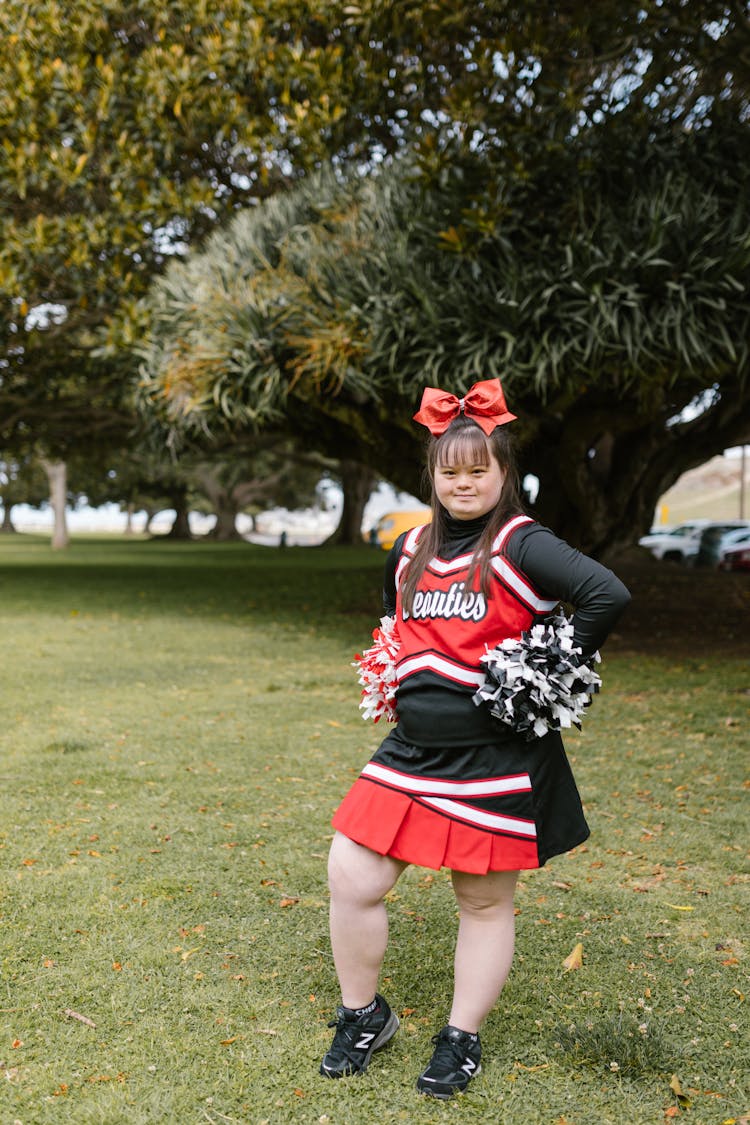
x,y
178,723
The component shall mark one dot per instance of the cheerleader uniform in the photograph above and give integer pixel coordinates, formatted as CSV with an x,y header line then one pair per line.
x,y
452,786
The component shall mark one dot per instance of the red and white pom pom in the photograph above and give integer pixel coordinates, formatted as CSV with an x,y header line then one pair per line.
x,y
377,672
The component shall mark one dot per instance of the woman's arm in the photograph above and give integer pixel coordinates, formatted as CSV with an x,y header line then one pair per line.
x,y
560,571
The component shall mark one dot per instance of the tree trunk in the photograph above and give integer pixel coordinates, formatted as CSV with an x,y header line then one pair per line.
x,y
225,528
225,504
180,529
357,482
7,527
57,475
129,513
601,472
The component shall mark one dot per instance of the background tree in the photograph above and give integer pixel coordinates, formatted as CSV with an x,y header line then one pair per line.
x,y
252,477
21,482
609,300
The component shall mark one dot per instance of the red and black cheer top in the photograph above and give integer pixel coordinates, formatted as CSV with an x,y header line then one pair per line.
x,y
451,785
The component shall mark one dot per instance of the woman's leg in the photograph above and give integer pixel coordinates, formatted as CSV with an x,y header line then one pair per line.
x,y
484,949
359,879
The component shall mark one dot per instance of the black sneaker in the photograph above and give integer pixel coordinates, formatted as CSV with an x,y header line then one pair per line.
x,y
357,1037
454,1063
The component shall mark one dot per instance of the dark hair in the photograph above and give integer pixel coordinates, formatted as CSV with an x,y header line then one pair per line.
x,y
465,442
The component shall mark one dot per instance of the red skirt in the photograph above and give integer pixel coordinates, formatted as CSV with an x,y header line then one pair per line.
x,y
510,812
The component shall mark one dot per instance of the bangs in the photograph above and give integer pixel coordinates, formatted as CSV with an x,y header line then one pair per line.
x,y
464,446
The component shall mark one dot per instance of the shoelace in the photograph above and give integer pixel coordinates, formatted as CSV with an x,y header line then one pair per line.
x,y
447,1052
352,1026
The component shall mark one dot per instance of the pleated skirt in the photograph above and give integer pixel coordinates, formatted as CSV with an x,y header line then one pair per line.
x,y
507,806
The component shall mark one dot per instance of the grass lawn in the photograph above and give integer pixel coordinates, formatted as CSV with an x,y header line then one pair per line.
x,y
178,723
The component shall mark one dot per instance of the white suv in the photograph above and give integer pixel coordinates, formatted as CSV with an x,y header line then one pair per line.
x,y
680,543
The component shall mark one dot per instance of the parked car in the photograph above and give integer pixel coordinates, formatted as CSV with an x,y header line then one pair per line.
x,y
678,543
734,543
390,525
709,545
736,558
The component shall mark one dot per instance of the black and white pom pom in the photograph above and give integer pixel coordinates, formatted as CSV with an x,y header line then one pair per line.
x,y
377,673
539,683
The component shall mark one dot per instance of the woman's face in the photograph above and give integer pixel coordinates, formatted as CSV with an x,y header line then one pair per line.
x,y
469,489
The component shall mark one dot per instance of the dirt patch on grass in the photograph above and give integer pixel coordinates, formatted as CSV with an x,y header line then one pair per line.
x,y
681,611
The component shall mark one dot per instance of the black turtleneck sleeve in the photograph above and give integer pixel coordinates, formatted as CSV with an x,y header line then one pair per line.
x,y
558,570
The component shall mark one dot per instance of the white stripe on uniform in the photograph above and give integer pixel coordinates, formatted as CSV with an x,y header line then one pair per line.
x,y
411,783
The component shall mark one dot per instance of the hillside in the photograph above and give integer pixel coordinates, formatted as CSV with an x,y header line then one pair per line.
x,y
711,490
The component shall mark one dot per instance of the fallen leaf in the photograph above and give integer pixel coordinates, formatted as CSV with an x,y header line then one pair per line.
x,y
682,1098
574,960
288,902
674,906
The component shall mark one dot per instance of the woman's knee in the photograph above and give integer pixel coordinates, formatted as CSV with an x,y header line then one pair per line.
x,y
484,895
356,872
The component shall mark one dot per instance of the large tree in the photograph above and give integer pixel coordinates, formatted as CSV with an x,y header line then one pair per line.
x,y
131,129
612,300
575,221
128,131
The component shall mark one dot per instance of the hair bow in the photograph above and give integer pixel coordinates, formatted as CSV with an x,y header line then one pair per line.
x,y
484,404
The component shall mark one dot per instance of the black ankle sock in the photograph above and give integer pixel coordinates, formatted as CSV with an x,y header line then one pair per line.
x,y
366,1011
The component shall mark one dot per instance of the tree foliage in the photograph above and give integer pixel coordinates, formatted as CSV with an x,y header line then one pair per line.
x,y
129,130
607,299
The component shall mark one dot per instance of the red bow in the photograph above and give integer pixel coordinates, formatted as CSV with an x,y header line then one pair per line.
x,y
484,404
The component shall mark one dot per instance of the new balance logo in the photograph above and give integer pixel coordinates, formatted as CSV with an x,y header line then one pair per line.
x,y
364,1040
468,1067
